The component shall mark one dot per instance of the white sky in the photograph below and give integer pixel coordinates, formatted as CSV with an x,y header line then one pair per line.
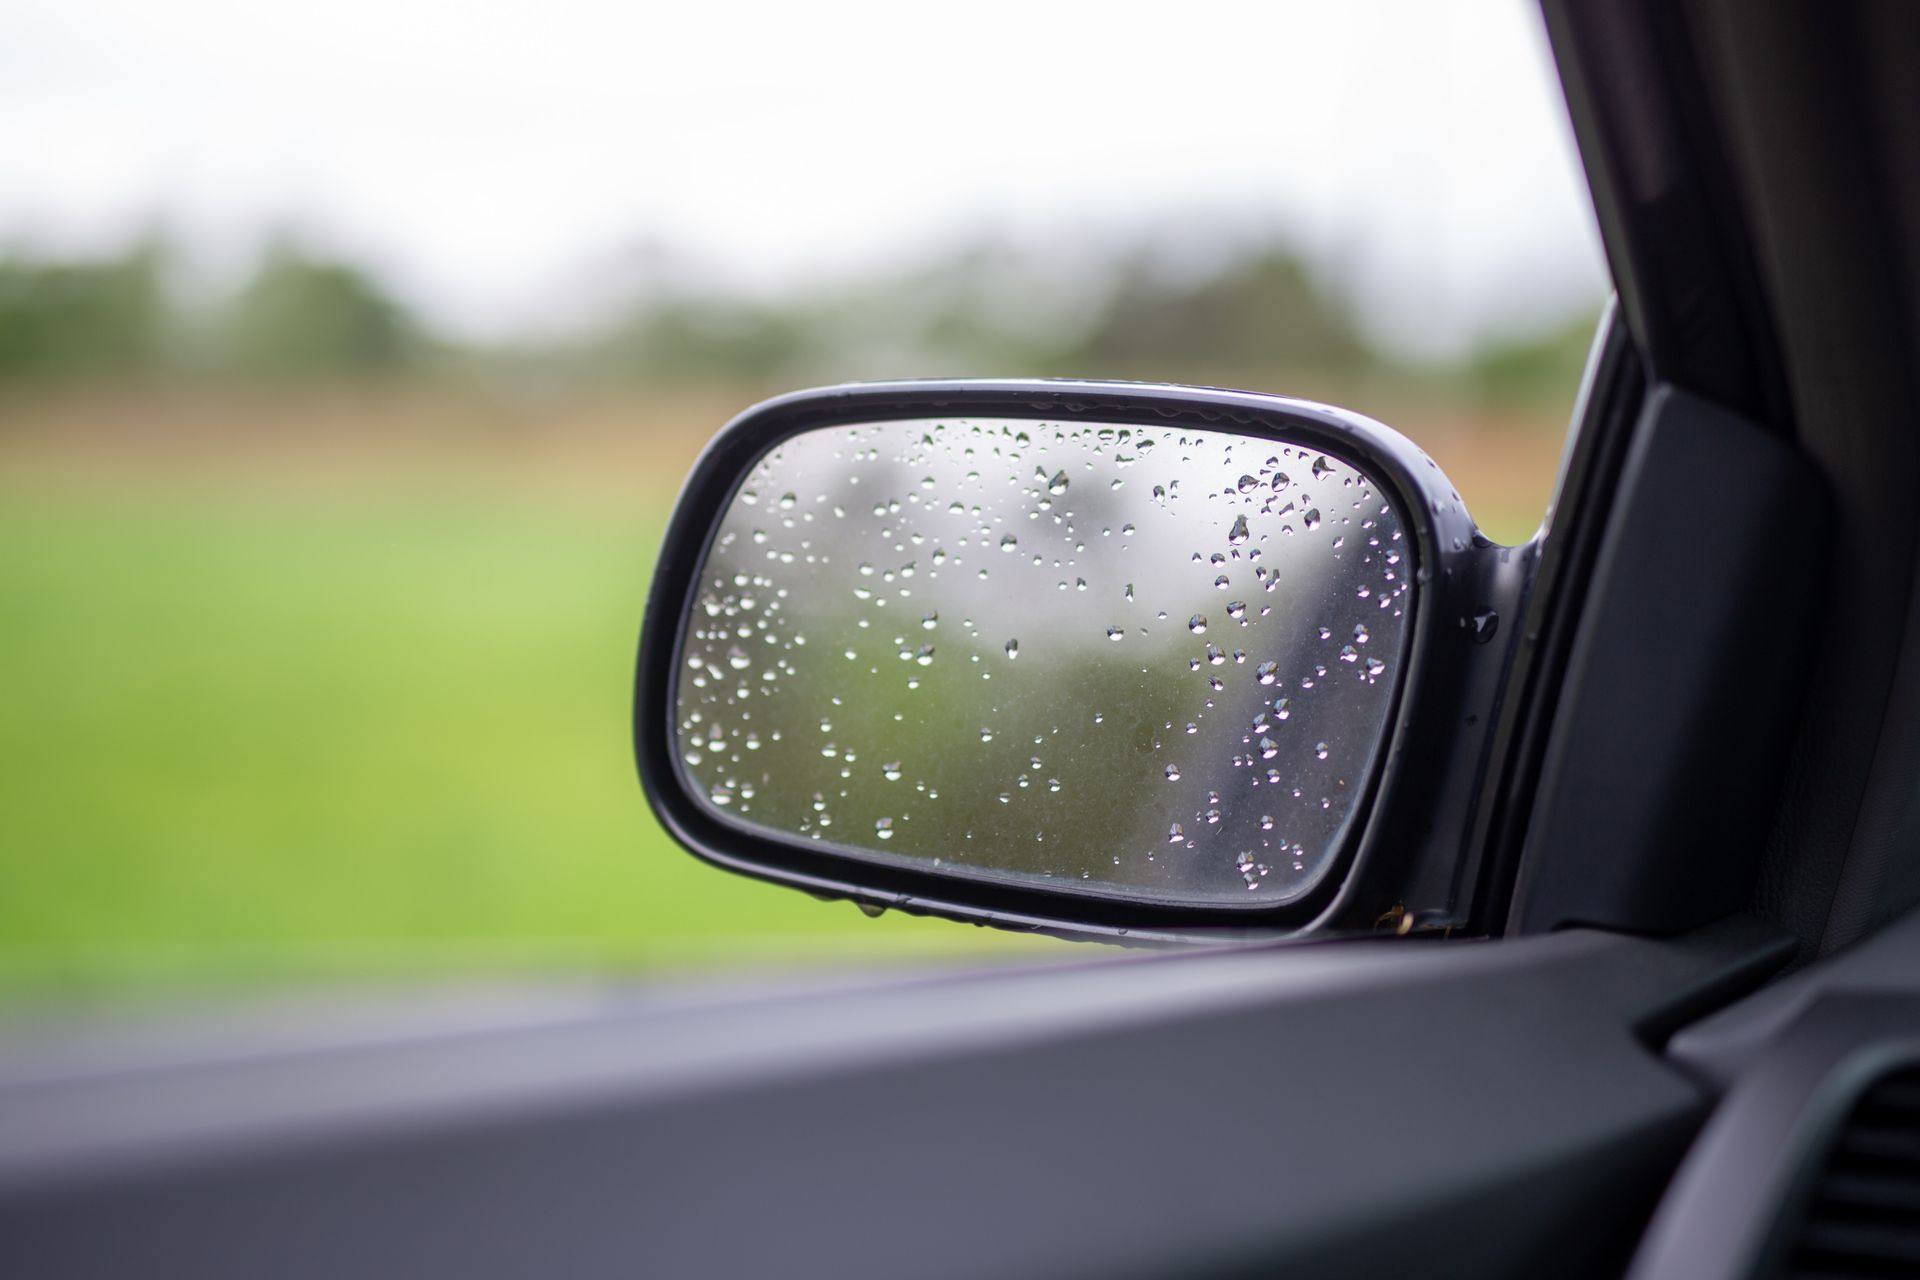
x,y
495,157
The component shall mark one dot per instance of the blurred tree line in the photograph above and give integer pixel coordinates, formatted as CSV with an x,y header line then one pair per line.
x,y
124,316
1257,313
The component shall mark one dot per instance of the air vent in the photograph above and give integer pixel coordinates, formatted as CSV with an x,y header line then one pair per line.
x,y
1864,1215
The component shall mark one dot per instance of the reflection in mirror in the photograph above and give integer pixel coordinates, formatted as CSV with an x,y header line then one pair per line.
x,y
1143,662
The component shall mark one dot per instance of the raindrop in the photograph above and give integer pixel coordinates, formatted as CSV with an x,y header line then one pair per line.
x,y
1013,648
1320,750
1312,518
1349,654
1116,633
884,828
891,771
1360,634
1320,468
1173,773
931,620
1176,833
1267,672
1197,624
1238,533
1269,748
1057,485
1485,623
1237,609
1009,542
1248,484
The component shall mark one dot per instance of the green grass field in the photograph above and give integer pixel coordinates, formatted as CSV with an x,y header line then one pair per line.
x,y
344,698
332,737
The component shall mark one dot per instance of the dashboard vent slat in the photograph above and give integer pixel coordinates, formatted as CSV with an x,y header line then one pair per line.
x,y
1863,1217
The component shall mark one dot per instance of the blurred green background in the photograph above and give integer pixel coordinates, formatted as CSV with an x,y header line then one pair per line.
x,y
317,624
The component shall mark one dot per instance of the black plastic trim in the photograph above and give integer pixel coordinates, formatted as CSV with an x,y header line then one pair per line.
x,y
1743,1188
1276,1109
1669,212
1680,693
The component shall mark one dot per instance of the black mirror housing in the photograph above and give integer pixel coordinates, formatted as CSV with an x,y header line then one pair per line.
x,y
1400,861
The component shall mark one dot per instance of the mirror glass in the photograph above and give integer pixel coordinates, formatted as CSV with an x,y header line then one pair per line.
x,y
1144,662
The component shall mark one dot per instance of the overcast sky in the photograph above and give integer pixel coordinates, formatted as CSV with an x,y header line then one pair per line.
x,y
494,158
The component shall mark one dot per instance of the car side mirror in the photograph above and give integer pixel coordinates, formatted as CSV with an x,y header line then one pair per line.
x,y
1093,658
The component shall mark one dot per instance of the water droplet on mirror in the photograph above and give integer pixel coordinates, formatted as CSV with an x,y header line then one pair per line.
x,y
1320,750
1312,518
1057,485
1237,609
1238,533
1216,655
786,501
884,828
1267,672
1116,633
891,771
737,658
1009,542
1013,648
1173,773
1349,654
1197,624
931,620
1176,833
1320,468
1248,484
1485,623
